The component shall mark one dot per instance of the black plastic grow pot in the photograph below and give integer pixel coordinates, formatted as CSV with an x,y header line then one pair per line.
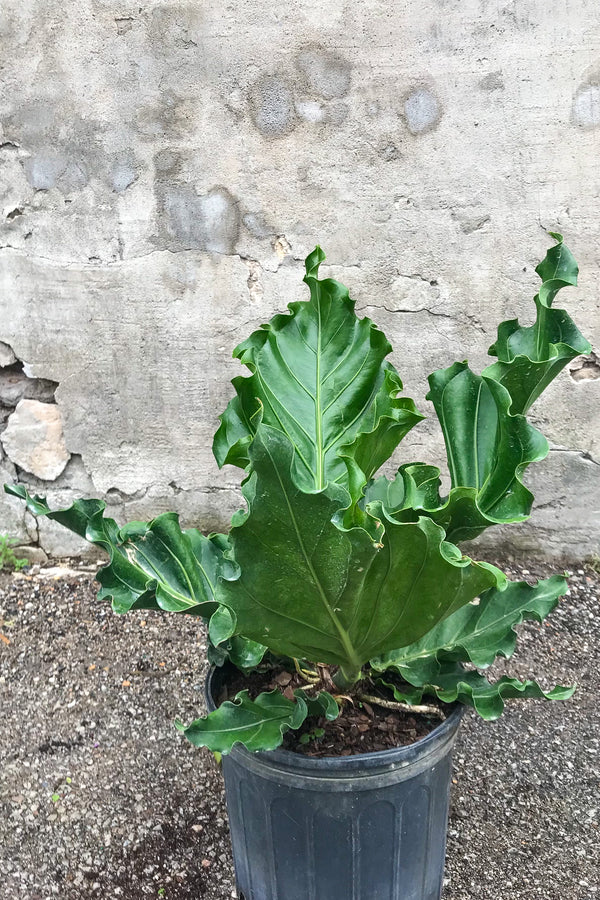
x,y
366,827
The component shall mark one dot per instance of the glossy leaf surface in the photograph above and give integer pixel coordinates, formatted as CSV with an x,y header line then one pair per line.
x,y
475,634
480,632
321,704
257,724
238,650
529,358
451,682
319,376
330,595
488,449
152,566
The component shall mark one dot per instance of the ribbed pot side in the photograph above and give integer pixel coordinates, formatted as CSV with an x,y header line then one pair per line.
x,y
366,827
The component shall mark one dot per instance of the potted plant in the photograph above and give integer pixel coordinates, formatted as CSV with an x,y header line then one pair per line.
x,y
339,599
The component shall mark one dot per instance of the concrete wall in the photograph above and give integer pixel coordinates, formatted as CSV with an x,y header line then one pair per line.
x,y
165,167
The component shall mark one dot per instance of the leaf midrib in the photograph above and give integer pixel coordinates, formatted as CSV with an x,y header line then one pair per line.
x,y
342,633
320,475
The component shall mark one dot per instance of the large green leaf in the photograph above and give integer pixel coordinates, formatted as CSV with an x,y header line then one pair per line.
x,y
488,448
221,626
451,682
529,358
333,595
488,451
481,631
257,724
319,376
475,634
489,443
152,566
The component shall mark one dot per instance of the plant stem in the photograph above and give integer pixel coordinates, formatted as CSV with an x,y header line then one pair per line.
x,y
424,709
346,676
311,677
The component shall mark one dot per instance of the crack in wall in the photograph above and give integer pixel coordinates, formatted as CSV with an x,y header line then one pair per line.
x,y
416,276
97,262
583,454
209,489
421,309
549,504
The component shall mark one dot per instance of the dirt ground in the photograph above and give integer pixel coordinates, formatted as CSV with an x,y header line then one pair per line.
x,y
101,797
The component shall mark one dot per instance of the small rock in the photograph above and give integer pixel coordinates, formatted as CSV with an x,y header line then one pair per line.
x,y
34,439
7,356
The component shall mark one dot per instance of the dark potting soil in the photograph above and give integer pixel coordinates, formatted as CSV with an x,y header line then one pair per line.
x,y
361,727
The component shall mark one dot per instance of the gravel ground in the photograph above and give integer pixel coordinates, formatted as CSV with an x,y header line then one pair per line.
x,y
101,797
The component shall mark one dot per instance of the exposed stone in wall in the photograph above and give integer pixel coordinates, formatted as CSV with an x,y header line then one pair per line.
x,y
12,515
7,356
33,439
31,444
585,368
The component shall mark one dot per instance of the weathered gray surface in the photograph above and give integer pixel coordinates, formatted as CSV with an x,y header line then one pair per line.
x,y
101,797
34,439
164,167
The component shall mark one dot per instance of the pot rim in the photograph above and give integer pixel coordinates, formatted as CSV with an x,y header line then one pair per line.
x,y
431,744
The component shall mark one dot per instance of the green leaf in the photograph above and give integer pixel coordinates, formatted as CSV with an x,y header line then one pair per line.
x,y
76,518
245,654
529,358
331,595
321,705
238,650
481,631
221,625
451,682
488,451
257,724
489,442
415,487
476,634
319,377
488,448
152,565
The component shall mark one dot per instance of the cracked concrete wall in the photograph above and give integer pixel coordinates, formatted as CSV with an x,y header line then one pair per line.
x,y
164,168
